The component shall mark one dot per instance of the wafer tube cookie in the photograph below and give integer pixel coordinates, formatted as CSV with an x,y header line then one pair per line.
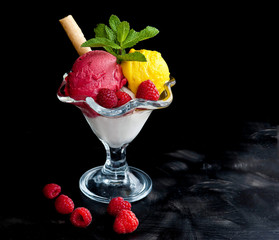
x,y
75,34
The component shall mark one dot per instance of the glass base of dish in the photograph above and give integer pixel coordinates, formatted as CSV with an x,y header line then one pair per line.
x,y
102,188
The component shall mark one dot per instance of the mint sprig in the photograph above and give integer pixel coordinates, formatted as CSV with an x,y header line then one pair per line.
x,y
118,36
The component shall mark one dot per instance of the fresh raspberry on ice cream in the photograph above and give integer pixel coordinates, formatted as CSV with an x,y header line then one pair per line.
x,y
147,90
107,98
123,98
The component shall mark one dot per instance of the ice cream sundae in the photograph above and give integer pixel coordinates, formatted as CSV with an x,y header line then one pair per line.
x,y
116,91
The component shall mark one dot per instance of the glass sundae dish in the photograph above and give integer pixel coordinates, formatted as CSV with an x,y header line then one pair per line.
x,y
97,85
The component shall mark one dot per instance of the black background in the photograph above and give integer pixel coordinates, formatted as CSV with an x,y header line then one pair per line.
x,y
221,55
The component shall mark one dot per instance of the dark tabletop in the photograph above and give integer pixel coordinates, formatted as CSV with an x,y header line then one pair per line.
x,y
228,194
212,155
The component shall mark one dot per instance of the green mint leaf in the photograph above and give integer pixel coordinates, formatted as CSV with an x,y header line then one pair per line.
x,y
118,36
131,40
103,31
134,37
111,51
100,31
135,56
100,42
110,33
114,21
147,33
122,31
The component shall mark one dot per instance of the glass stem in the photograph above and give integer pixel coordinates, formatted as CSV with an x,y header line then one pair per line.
x,y
116,167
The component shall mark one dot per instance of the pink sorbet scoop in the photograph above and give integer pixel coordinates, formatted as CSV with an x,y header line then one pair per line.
x,y
91,72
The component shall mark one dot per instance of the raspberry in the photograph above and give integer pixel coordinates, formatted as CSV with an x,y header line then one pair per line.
x,y
64,205
81,217
116,205
147,90
51,190
107,98
125,222
123,98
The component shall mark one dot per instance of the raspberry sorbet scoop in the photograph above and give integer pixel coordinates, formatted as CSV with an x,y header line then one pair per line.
x,y
91,72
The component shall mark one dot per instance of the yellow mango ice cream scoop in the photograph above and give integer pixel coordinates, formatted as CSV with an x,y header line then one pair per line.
x,y
155,69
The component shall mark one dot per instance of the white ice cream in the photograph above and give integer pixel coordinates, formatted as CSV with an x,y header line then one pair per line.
x,y
119,130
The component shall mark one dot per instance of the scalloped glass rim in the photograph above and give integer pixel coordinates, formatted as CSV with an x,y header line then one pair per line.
x,y
165,100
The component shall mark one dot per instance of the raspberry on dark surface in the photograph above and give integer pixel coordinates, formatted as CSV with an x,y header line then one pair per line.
x,y
51,190
81,217
125,222
116,205
64,205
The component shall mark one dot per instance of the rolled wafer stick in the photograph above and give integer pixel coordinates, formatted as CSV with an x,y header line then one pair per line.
x,y
74,33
